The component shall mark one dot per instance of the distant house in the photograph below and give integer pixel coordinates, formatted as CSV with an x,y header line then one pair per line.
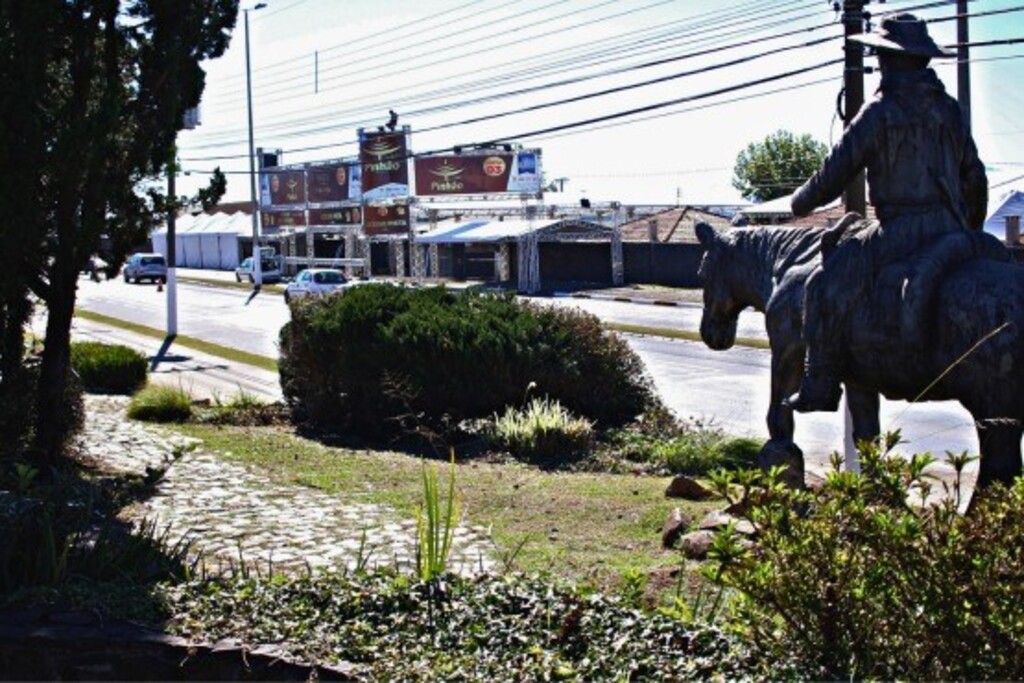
x,y
671,226
1004,215
662,248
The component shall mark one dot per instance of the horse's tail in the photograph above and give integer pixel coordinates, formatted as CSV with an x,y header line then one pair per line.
x,y
932,262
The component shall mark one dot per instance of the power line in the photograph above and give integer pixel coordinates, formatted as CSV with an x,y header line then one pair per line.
x,y
603,118
277,10
417,23
546,86
367,74
606,55
396,52
607,91
582,129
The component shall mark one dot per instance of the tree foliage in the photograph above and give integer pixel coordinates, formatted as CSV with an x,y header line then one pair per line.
x,y
94,94
777,165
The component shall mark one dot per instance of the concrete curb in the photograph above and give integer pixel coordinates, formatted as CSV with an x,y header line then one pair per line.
x,y
624,299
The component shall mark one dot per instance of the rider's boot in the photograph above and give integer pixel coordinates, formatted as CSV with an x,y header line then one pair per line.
x,y
819,388
819,392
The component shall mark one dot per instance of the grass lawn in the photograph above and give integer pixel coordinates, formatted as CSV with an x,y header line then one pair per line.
x,y
584,526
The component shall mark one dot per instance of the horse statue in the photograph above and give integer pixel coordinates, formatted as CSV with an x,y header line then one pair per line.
x,y
970,346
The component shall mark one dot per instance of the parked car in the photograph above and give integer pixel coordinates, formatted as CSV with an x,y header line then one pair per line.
x,y
270,270
315,282
144,266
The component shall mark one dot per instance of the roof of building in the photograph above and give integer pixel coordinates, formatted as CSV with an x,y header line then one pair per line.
x,y
672,225
824,217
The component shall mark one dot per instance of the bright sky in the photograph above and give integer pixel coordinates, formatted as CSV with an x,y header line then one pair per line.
x,y
460,72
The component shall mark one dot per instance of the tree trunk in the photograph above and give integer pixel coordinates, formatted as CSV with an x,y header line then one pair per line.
x,y
53,416
14,414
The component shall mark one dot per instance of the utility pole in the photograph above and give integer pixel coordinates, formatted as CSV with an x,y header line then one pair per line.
x,y
257,266
963,67
172,214
853,82
856,200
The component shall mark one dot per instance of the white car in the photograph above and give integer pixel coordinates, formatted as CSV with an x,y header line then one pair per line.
x,y
315,282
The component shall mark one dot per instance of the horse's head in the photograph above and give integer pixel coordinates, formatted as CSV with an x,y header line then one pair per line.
x,y
721,307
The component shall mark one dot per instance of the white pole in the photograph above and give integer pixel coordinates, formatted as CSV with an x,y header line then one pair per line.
x,y
850,455
257,266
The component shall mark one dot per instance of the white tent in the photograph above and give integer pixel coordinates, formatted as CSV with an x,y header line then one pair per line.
x,y
206,240
483,230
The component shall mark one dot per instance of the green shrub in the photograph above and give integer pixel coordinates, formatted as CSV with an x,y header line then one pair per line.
x,y
859,581
60,529
692,453
108,368
540,431
385,358
736,453
161,403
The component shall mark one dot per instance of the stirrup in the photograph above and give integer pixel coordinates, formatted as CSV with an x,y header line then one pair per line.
x,y
820,394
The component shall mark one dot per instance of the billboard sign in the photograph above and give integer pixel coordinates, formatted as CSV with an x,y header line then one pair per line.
x,y
479,172
275,220
346,215
385,166
282,187
333,182
391,219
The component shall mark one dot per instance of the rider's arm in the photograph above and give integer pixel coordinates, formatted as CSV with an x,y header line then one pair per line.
x,y
842,164
975,185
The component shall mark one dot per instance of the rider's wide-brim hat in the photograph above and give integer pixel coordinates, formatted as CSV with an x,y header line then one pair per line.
x,y
905,34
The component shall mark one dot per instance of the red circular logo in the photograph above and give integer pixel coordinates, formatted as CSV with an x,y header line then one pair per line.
x,y
494,166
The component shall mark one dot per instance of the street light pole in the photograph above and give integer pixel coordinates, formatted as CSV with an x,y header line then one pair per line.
x,y
257,266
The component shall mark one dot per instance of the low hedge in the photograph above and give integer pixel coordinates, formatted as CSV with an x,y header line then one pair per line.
x,y
382,358
108,368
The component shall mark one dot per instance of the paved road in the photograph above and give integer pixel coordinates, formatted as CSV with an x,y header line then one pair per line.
x,y
682,317
726,388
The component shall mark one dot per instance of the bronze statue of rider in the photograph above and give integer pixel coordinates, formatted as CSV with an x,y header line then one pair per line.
x,y
924,180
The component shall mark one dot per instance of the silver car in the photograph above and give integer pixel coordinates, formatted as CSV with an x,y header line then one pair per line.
x,y
145,266
315,282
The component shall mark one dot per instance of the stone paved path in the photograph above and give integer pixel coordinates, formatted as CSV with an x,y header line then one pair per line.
x,y
226,509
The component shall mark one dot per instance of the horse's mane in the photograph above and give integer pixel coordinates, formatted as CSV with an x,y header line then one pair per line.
x,y
780,247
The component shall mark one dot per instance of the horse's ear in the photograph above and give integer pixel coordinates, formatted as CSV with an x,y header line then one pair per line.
x,y
706,234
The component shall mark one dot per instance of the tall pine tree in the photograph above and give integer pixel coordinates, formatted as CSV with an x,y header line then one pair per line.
x,y
94,94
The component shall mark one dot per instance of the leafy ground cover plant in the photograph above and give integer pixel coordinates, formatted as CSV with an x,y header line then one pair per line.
x,y
161,403
862,581
108,368
509,628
